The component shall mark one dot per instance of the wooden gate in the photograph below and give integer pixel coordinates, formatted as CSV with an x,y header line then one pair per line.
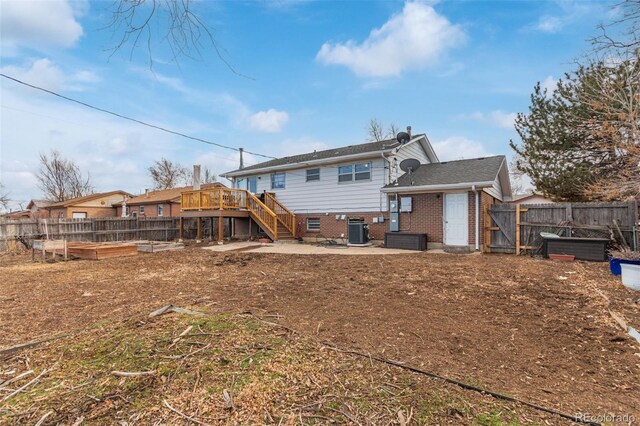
x,y
514,228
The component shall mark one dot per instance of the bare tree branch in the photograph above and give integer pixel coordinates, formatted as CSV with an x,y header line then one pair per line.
x,y
148,22
166,175
61,179
4,198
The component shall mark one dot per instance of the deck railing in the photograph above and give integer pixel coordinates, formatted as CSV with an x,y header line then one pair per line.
x,y
284,215
232,199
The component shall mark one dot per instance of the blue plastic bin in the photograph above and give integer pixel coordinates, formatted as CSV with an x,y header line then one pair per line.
x,y
614,264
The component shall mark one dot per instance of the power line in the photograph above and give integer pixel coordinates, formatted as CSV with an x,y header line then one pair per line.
x,y
129,118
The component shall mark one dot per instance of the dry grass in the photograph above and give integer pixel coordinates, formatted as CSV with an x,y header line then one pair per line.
x,y
227,369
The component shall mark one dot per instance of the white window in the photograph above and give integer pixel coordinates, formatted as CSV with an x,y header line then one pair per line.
x,y
277,181
141,209
79,215
345,173
160,210
355,172
313,174
363,171
313,224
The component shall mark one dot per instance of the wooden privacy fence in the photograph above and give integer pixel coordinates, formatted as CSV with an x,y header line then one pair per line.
x,y
514,228
95,230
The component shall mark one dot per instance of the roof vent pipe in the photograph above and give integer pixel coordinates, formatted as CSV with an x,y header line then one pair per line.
x,y
409,131
146,192
241,151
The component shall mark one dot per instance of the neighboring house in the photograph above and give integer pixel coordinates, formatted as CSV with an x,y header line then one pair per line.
x,y
164,202
89,206
19,214
328,189
533,198
35,210
38,208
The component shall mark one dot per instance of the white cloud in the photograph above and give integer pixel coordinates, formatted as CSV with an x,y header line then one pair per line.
x,y
458,148
45,73
497,118
269,121
411,39
568,13
38,23
549,24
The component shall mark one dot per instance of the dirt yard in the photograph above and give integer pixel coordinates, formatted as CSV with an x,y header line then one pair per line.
x,y
534,329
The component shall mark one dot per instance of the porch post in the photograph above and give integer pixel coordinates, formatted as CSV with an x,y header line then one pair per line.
x,y
220,229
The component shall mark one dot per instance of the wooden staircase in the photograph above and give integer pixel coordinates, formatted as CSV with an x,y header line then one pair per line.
x,y
278,222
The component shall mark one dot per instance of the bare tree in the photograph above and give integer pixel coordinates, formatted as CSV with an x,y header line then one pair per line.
x,y
376,131
4,198
166,174
516,177
208,176
61,179
141,23
611,97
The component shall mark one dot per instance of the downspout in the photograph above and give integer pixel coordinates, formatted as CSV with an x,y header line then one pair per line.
x,y
473,188
386,160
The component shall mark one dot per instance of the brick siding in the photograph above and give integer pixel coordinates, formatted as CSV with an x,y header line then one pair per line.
x,y
426,217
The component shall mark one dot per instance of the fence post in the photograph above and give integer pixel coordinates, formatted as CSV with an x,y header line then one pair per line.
x,y
487,230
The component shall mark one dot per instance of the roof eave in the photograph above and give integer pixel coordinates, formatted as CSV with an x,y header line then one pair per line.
x,y
437,188
290,166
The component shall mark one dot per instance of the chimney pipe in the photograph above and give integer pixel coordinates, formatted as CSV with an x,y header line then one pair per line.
x,y
196,177
146,192
409,131
241,150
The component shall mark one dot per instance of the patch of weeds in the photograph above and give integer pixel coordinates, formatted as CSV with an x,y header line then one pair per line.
x,y
496,418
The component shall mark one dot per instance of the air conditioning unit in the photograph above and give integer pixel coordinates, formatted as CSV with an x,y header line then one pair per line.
x,y
358,233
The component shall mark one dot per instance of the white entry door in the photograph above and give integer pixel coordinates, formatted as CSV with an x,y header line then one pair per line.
x,y
456,219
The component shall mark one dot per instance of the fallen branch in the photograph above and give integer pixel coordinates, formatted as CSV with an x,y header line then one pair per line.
x,y
133,374
43,418
171,308
183,415
23,387
15,379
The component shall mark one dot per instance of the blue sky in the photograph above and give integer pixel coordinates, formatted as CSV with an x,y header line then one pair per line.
x,y
458,71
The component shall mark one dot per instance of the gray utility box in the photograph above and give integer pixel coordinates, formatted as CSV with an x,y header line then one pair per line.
x,y
407,241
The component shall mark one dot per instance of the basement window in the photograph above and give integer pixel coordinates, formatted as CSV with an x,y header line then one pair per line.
x,y
313,224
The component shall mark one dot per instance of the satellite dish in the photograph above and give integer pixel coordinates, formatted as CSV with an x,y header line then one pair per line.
x,y
409,165
403,137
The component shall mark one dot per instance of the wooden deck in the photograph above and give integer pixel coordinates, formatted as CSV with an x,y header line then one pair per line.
x,y
229,202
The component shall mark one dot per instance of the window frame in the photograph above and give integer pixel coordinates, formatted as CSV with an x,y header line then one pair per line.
x,y
141,209
341,174
315,176
353,174
160,210
284,180
313,229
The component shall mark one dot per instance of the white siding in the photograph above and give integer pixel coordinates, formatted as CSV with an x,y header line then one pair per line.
x,y
409,150
496,190
327,195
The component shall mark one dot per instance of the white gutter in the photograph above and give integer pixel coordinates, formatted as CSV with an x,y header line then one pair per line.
x,y
302,164
445,187
473,188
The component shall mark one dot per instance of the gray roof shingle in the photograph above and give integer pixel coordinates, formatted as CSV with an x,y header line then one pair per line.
x,y
320,155
483,169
